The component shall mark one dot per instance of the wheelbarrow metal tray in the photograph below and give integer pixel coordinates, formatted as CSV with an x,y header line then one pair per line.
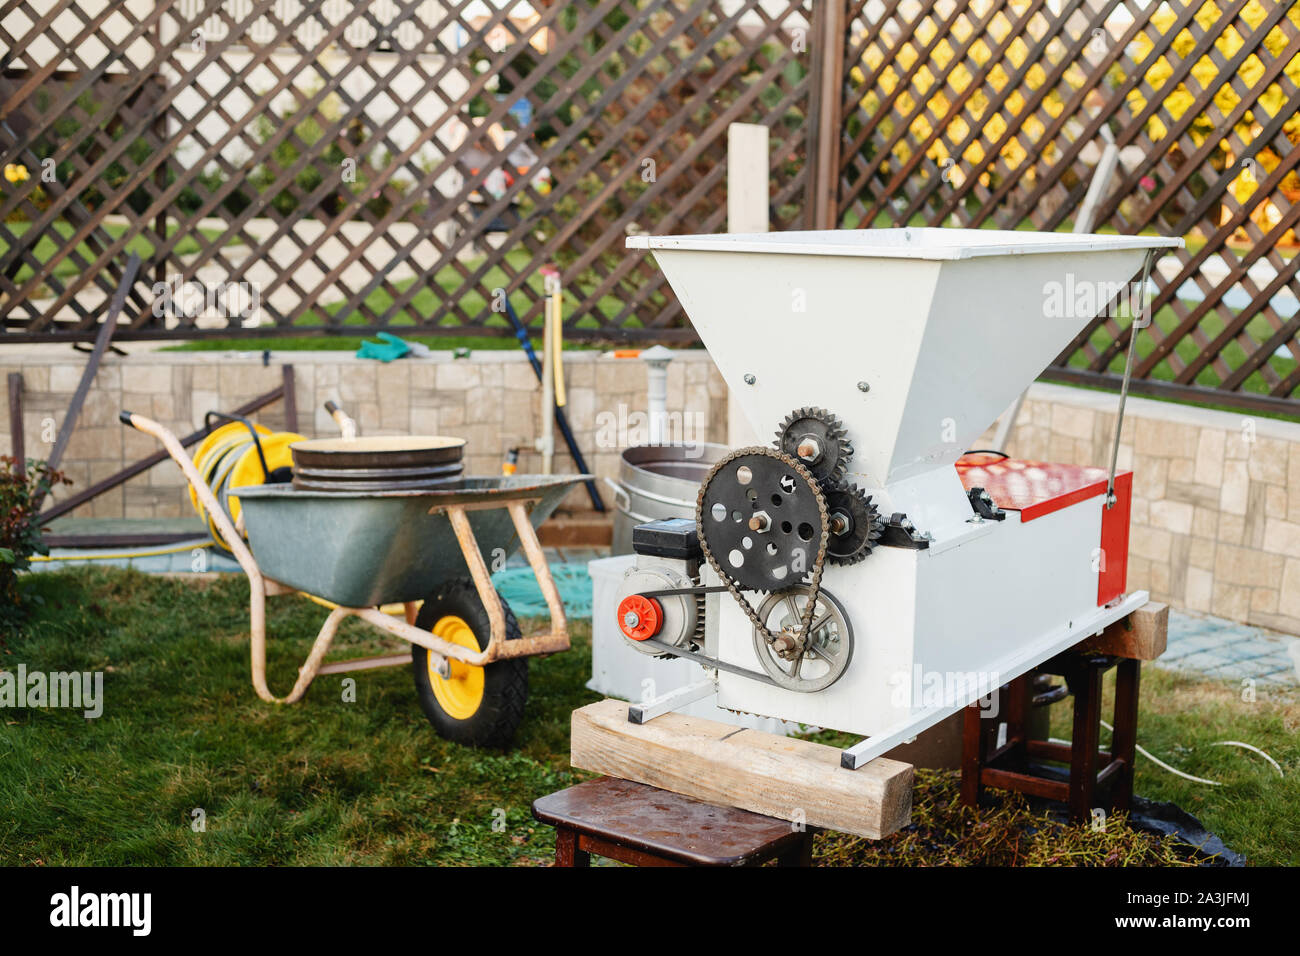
x,y
362,549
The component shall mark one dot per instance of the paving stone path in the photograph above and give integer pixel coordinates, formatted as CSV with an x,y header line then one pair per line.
x,y
1225,650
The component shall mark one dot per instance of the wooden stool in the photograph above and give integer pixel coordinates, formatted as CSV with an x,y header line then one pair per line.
x,y
1008,767
644,826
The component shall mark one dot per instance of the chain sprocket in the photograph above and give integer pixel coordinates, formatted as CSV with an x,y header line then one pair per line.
x,y
815,438
856,524
729,465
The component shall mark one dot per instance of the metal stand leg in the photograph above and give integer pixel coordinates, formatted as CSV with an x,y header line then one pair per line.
x,y
674,699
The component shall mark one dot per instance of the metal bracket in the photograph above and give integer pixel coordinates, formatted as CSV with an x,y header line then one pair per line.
x,y
673,700
1134,328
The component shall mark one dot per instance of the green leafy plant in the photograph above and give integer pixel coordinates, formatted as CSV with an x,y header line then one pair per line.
x,y
20,530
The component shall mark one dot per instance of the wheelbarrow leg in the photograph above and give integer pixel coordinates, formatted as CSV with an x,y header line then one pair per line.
x,y
498,647
478,570
537,561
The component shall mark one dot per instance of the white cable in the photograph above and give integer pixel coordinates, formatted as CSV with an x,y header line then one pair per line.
x,y
1155,760
1252,749
1187,776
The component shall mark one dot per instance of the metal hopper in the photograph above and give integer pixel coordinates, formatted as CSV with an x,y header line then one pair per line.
x,y
918,338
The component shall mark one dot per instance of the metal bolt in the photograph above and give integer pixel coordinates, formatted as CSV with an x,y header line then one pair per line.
x,y
760,522
864,386
749,379
630,619
809,450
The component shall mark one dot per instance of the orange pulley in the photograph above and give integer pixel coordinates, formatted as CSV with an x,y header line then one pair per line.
x,y
640,617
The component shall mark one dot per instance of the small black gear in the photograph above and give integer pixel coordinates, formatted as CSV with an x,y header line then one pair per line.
x,y
860,522
821,433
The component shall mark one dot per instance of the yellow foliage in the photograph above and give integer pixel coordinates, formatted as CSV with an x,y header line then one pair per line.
x,y
978,114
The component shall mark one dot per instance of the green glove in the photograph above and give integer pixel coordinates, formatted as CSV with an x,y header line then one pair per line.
x,y
391,348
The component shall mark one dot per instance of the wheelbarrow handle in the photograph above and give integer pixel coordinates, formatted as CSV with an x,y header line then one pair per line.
x,y
178,454
346,425
257,584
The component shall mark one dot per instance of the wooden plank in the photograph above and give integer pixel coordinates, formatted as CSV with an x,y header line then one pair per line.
x,y
16,446
92,364
290,396
778,776
1141,636
831,37
747,171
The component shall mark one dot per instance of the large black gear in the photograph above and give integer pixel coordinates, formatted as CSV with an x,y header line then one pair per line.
x,y
782,499
864,524
827,432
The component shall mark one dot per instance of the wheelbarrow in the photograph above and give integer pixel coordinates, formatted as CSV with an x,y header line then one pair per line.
x,y
357,551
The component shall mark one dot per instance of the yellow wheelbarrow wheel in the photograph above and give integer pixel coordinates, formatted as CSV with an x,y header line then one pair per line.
x,y
477,706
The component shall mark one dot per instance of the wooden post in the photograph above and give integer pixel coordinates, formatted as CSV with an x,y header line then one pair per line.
x,y
1123,744
972,755
16,444
290,398
747,211
829,36
102,341
1085,739
567,852
747,177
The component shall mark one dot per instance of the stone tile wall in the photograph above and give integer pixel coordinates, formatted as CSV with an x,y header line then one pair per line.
x,y
492,399
1216,511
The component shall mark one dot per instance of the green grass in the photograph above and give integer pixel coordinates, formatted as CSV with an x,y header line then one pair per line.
x,y
320,782
329,782
430,300
46,247
1187,350
1182,718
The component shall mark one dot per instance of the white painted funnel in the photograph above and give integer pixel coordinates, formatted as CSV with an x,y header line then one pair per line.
x,y
943,327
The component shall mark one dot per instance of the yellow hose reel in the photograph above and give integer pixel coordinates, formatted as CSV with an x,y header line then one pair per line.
x,y
230,457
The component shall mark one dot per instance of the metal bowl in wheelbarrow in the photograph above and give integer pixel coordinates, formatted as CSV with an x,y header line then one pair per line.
x,y
366,548
378,463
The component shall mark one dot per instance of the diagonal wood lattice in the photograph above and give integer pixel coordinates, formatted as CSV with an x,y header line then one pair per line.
x,y
995,113
298,166
353,166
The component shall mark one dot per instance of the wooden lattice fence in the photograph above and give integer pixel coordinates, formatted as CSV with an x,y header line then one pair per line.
x,y
358,166
995,113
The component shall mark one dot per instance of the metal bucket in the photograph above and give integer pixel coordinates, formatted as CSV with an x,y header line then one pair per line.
x,y
658,481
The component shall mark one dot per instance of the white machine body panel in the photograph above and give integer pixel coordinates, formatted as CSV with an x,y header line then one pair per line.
x,y
954,619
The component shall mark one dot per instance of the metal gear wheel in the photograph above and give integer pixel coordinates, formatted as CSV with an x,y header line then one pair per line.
x,y
815,438
856,524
